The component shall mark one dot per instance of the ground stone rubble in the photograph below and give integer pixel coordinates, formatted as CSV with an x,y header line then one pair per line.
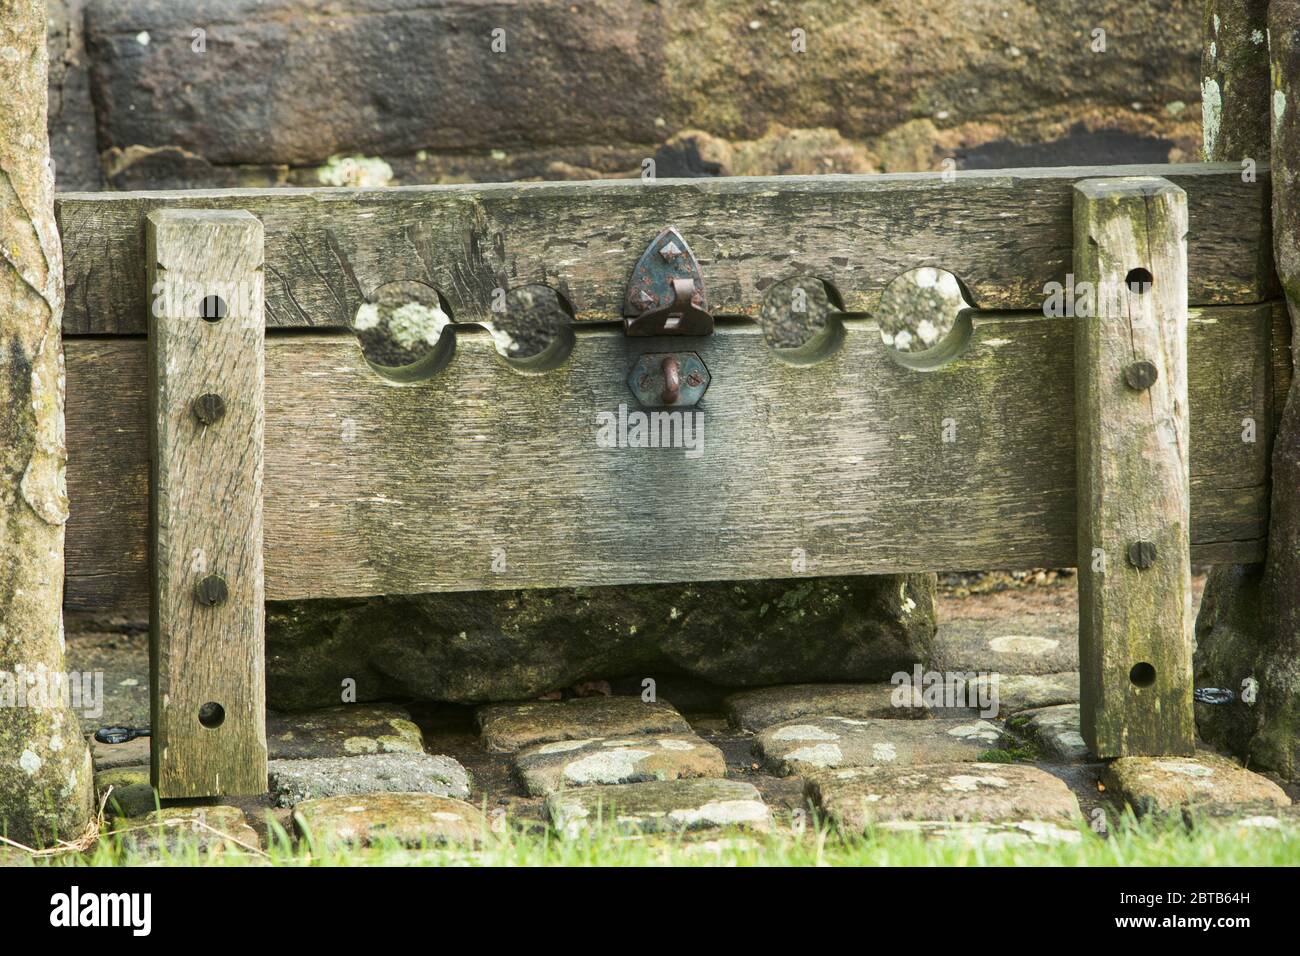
x,y
509,727
410,819
660,806
815,743
1022,797
546,768
1055,730
755,710
1200,782
293,781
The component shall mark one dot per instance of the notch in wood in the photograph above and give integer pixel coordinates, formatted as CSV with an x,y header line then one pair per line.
x,y
1135,613
206,339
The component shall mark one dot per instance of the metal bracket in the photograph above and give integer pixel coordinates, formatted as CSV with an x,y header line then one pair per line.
x,y
668,379
665,295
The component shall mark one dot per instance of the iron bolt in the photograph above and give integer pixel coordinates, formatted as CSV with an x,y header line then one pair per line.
x,y
209,409
211,591
1141,375
1142,554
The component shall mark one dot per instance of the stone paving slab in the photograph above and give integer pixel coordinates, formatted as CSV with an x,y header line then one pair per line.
x,y
412,819
755,710
1017,692
1244,817
1055,731
1171,784
859,798
209,829
293,781
989,836
132,794
133,753
660,806
344,731
546,768
1008,644
815,743
510,727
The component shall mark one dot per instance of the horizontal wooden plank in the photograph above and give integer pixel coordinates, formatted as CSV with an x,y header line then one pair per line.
x,y
373,488
1005,233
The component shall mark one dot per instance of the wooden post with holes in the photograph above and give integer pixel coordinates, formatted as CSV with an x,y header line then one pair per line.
x,y
206,360
1135,617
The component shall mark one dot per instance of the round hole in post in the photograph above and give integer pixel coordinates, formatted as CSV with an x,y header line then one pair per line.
x,y
1138,280
212,308
801,320
405,331
212,715
1142,674
925,318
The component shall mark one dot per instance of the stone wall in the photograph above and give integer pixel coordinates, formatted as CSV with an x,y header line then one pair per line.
x,y
151,93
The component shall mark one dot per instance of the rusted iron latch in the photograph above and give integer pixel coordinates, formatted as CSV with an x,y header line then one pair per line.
x,y
668,379
665,295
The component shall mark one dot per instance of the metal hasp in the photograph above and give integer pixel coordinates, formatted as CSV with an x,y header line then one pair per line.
x,y
665,295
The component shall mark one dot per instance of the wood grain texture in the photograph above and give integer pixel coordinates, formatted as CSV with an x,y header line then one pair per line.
x,y
844,459
1135,588
207,504
1005,233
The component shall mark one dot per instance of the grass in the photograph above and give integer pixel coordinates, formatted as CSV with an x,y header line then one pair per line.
x,y
1131,843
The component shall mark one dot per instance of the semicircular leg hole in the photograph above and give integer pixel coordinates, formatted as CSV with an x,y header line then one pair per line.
x,y
800,319
532,329
405,331
924,318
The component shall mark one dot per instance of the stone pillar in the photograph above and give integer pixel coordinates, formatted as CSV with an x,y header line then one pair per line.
x,y
45,769
1248,629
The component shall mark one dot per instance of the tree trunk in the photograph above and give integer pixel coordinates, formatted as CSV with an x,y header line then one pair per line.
x,y
45,769
1248,630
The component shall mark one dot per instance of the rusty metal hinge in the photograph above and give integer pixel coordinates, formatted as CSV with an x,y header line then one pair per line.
x,y
665,295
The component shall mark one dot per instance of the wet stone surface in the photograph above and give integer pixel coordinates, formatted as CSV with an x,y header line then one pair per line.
x,y
546,768
510,727
815,743
660,806
293,781
411,819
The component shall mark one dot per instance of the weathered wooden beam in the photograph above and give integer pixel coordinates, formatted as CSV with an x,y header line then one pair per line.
x,y
206,362
1005,233
1131,406
372,488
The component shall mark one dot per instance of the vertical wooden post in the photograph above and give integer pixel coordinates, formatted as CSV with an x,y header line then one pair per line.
x,y
206,338
1135,621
